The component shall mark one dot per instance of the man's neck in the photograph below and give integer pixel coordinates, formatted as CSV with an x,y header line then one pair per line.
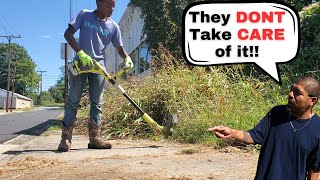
x,y
100,15
304,115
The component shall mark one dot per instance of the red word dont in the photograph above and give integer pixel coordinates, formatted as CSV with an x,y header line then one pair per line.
x,y
255,17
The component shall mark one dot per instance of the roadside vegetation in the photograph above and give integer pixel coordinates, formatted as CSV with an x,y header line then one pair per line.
x,y
202,97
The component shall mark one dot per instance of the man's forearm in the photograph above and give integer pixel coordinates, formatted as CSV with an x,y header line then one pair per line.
x,y
122,52
241,136
68,35
72,42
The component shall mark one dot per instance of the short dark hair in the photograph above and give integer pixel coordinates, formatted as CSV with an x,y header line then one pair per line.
x,y
311,85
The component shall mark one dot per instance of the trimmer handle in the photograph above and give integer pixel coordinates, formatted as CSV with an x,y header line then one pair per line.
x,y
117,76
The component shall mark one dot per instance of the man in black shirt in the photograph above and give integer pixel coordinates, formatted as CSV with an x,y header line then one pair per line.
x,y
289,135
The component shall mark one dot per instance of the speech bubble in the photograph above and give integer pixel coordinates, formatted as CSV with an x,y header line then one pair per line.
x,y
218,33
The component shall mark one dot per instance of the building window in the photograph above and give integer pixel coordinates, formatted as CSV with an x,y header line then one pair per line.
x,y
143,59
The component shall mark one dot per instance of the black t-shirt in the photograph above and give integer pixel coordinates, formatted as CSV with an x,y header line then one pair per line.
x,y
286,154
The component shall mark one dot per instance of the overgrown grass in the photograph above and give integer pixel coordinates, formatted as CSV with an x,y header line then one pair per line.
x,y
189,151
55,128
199,97
51,104
202,97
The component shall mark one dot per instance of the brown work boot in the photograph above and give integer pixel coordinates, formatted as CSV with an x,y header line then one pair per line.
x,y
95,140
66,136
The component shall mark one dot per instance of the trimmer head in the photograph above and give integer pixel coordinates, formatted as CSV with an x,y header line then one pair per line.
x,y
169,124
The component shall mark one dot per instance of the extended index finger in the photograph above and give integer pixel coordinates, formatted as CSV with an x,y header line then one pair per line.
x,y
214,128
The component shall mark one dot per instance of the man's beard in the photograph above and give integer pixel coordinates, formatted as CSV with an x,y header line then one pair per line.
x,y
289,109
292,109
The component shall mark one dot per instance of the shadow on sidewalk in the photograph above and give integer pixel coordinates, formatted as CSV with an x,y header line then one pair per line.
x,y
26,151
17,152
43,127
31,134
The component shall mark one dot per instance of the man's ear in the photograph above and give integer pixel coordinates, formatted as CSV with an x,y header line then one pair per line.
x,y
314,100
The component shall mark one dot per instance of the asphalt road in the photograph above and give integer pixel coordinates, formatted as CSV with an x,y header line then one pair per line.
x,y
12,125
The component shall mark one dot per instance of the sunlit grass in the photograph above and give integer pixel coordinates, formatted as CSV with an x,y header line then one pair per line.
x,y
200,98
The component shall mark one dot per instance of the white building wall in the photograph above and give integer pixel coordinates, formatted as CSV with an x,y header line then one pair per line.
x,y
17,103
18,100
2,102
131,25
3,93
21,103
110,58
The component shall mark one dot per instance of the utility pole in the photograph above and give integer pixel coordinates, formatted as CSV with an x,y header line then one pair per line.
x,y
66,63
66,78
41,84
70,9
9,64
65,73
12,91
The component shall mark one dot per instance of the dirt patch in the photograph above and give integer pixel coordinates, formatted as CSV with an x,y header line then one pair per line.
x,y
29,163
128,159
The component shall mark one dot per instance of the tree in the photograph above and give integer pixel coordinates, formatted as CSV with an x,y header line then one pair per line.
x,y
163,27
45,98
308,60
162,24
26,78
163,21
57,91
298,4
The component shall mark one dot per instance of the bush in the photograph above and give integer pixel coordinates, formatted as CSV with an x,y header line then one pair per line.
x,y
308,60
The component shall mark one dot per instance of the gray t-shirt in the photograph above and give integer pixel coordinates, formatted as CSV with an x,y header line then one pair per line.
x,y
95,34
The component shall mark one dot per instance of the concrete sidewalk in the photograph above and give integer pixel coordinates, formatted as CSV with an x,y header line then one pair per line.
x,y
35,157
45,146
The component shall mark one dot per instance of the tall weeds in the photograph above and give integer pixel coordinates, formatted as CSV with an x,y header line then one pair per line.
x,y
201,97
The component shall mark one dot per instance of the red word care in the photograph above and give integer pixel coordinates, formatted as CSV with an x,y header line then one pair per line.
x,y
261,34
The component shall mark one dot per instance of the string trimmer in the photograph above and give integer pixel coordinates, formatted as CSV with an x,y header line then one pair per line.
x,y
77,68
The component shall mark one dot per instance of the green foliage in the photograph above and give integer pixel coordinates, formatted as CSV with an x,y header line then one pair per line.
x,y
298,4
57,92
45,98
199,97
308,60
202,97
163,21
62,76
55,128
26,77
